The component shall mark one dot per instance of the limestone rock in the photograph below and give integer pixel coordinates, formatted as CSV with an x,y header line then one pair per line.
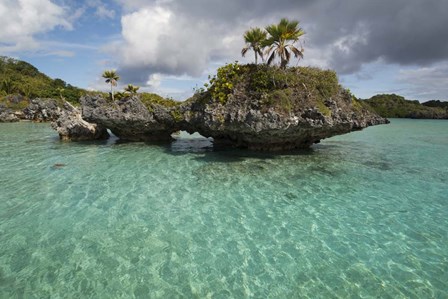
x,y
7,115
129,118
248,123
42,110
71,126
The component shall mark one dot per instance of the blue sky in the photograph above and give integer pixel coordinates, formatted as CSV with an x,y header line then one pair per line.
x,y
171,46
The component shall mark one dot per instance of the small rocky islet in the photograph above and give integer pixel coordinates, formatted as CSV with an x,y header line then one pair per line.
x,y
252,106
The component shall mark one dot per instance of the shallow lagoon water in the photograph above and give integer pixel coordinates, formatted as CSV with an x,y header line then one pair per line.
x,y
359,215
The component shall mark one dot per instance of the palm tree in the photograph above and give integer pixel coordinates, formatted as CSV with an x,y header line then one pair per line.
x,y
277,43
111,78
254,39
131,89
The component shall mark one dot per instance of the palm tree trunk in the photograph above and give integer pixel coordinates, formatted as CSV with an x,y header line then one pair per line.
x,y
111,92
256,57
283,63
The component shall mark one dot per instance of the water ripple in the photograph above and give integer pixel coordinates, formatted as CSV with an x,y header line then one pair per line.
x,y
360,215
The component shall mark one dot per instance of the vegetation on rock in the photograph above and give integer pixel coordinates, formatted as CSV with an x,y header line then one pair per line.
x,y
151,99
131,89
272,85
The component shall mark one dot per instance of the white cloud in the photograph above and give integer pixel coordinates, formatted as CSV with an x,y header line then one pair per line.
x,y
61,53
104,13
101,10
156,40
21,20
426,83
154,80
142,31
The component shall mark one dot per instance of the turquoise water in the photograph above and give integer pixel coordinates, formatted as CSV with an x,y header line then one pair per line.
x,y
364,215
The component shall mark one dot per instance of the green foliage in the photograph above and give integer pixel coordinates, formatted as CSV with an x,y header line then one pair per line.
x,y
223,83
272,83
323,81
7,86
14,102
177,115
111,77
320,84
280,42
357,104
19,77
322,108
131,89
281,99
119,95
436,103
395,106
151,99
255,39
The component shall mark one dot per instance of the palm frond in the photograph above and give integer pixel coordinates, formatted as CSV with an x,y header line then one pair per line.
x,y
271,58
287,55
297,52
282,36
255,39
111,75
260,52
131,89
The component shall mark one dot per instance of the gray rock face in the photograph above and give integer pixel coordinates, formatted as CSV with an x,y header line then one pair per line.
x,y
7,115
240,122
71,126
42,110
129,118
243,122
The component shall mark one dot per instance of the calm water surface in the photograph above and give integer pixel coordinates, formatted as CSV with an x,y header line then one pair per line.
x,y
360,215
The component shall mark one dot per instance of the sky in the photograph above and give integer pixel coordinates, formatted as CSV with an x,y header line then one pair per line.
x,y
171,46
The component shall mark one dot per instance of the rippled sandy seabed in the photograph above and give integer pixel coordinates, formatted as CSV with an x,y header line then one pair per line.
x,y
360,215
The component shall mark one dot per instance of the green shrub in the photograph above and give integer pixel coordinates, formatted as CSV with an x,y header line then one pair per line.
x,y
7,102
221,85
150,99
322,108
272,85
177,115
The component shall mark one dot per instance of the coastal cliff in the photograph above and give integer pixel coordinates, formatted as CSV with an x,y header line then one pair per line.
x,y
249,106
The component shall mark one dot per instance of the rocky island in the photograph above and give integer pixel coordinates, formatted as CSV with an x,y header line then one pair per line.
x,y
249,106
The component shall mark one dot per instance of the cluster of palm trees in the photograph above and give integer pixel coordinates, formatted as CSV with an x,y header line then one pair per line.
x,y
112,78
275,40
